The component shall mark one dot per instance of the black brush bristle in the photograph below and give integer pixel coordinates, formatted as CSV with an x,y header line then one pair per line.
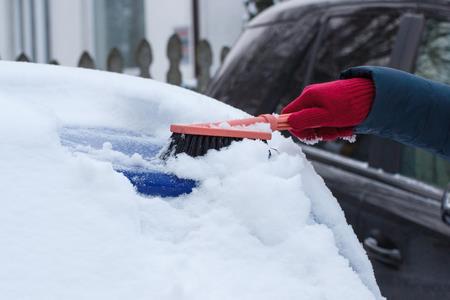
x,y
195,145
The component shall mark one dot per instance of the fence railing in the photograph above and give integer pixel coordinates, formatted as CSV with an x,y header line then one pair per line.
x,y
143,58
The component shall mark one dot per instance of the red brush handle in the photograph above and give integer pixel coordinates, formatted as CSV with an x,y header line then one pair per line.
x,y
276,123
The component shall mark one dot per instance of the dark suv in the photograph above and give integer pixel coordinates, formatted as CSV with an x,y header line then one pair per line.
x,y
393,195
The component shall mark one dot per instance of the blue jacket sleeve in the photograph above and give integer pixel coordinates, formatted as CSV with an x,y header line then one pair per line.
x,y
407,108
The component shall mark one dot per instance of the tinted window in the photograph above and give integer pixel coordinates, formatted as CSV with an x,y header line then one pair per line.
x,y
359,39
356,40
267,65
433,62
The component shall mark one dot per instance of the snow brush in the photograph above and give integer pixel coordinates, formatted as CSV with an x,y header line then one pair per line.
x,y
197,139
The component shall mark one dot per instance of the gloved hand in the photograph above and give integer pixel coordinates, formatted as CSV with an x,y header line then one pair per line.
x,y
327,111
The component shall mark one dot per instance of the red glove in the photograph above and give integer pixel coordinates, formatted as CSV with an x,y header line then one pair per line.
x,y
329,110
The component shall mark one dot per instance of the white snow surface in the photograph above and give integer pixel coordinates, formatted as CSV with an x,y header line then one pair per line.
x,y
73,228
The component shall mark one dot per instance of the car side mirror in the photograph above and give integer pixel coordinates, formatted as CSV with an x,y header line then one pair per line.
x,y
445,206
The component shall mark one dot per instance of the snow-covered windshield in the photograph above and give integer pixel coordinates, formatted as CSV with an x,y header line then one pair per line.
x,y
72,227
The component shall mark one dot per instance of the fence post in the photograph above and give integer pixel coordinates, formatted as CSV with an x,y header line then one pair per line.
x,y
204,62
114,63
86,61
23,57
144,58
174,53
223,53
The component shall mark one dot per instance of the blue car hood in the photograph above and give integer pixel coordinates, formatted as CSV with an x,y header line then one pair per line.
x,y
148,176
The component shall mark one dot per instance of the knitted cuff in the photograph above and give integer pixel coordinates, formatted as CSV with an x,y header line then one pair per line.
x,y
360,94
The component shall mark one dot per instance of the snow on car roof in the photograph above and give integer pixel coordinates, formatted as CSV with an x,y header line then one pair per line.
x,y
73,227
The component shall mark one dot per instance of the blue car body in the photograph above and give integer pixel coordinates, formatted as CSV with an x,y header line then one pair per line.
x,y
147,180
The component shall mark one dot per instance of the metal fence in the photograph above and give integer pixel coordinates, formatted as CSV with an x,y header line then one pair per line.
x,y
143,57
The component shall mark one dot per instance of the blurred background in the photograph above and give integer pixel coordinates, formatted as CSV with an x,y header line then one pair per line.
x,y
60,30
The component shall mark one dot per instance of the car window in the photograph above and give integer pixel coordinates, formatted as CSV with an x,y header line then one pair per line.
x,y
350,41
259,72
433,62
360,39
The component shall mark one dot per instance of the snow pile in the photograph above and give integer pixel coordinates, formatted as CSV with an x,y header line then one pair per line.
x,y
73,228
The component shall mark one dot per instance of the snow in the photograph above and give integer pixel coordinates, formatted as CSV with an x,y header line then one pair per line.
x,y
74,228
260,127
350,139
312,141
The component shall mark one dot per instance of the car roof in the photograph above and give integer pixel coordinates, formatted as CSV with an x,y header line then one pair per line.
x,y
294,9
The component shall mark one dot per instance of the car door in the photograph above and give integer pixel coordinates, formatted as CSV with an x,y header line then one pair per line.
x,y
403,235
400,227
398,222
407,243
